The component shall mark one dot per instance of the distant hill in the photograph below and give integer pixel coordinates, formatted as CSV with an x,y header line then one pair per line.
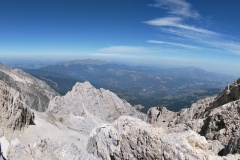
x,y
83,62
174,88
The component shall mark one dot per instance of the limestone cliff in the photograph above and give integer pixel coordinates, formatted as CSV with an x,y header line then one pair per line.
x,y
37,93
14,113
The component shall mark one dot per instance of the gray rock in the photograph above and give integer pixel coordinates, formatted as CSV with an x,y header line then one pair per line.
x,y
231,93
216,118
131,138
50,150
159,116
219,123
86,101
37,93
233,146
14,112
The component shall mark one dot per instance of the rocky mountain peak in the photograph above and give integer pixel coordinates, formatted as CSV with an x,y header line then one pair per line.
x,y
84,100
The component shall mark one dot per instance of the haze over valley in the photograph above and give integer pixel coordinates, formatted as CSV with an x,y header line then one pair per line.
x,y
174,88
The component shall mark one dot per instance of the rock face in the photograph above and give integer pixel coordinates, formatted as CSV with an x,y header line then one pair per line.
x,y
222,123
50,150
233,146
193,117
213,121
14,113
159,116
215,118
86,101
131,138
231,93
37,93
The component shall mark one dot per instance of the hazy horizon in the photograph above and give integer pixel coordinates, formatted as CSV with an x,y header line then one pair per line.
x,y
157,32
46,62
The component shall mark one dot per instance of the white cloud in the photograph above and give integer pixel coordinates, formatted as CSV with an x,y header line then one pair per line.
x,y
176,22
216,43
177,7
174,44
194,29
124,49
166,21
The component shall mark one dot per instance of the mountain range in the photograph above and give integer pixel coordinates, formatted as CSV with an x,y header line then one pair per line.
x,y
175,88
89,123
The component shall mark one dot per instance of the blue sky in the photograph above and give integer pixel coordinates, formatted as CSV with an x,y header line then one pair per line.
x,y
157,32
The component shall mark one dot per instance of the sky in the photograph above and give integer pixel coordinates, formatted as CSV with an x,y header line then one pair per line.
x,y
197,33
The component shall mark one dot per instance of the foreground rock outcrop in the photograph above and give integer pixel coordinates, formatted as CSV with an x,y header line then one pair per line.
x,y
131,138
37,93
216,118
50,150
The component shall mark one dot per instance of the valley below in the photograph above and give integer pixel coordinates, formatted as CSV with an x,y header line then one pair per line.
x,y
174,88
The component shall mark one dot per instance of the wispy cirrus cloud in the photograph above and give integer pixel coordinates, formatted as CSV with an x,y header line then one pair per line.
x,y
215,43
177,12
176,22
174,44
179,21
177,7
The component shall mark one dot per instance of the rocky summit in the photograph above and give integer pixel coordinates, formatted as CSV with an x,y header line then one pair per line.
x,y
94,124
85,100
